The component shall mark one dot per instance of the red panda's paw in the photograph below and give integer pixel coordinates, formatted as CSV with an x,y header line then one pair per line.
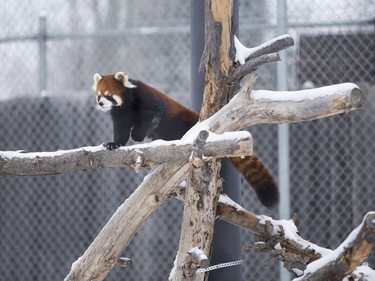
x,y
112,145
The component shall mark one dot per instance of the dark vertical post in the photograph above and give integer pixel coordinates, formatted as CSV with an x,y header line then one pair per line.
x,y
42,49
227,238
196,51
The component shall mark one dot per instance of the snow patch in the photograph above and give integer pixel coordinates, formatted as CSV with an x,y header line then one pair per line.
x,y
224,199
174,269
31,155
297,271
185,141
75,264
291,233
309,94
242,52
365,271
278,247
198,253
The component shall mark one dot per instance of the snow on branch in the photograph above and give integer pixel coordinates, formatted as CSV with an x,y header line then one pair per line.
x,y
194,260
272,46
248,59
97,157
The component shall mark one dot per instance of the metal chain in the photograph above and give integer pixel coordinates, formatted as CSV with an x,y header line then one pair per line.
x,y
220,265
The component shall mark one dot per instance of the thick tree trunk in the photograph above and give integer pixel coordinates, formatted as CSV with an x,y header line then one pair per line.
x,y
204,186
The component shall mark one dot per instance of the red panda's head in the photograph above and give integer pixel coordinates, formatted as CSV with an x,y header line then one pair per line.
x,y
110,90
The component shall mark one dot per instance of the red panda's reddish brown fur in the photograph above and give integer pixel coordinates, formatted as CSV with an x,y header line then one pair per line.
x,y
139,110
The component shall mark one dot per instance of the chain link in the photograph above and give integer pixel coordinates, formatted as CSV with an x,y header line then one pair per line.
x,y
220,265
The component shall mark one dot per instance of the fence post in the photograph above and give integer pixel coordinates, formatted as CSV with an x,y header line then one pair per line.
x,y
283,130
42,53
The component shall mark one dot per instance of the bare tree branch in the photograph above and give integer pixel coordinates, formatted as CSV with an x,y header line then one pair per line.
x,y
116,235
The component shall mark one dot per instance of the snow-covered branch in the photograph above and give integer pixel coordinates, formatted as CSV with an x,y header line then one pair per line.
x,y
97,157
250,58
250,108
301,257
341,262
272,46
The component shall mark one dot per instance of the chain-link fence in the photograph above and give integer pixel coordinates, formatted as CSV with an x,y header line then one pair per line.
x,y
50,51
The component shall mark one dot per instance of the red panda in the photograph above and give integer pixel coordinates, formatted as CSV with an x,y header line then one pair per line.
x,y
139,111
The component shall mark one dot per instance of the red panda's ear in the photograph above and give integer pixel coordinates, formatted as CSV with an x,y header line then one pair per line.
x,y
97,78
121,76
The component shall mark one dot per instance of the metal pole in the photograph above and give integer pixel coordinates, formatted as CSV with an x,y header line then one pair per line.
x,y
283,130
42,50
227,238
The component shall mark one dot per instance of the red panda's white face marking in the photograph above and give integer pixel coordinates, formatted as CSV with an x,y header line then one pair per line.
x,y
110,90
106,101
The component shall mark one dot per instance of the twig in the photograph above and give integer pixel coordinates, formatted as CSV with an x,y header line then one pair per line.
x,y
196,159
251,65
194,260
124,262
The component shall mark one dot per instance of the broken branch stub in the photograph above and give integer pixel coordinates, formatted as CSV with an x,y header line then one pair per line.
x,y
196,159
347,257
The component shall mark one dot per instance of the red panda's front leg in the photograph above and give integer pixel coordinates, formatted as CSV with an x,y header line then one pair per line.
x,y
121,130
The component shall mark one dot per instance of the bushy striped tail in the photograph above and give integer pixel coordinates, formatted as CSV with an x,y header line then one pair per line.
x,y
260,179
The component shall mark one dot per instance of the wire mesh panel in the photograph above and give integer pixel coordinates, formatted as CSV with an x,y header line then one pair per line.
x,y
50,51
